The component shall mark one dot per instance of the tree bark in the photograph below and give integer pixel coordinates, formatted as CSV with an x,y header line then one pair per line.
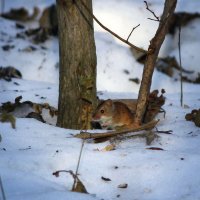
x,y
77,83
152,55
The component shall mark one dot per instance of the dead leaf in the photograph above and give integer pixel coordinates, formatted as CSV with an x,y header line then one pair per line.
x,y
18,99
124,185
135,80
155,148
36,116
154,106
181,18
109,147
186,106
194,116
6,117
9,72
79,187
27,109
37,108
7,47
21,14
105,179
29,49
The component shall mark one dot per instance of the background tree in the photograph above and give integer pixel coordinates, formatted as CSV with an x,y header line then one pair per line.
x,y
77,83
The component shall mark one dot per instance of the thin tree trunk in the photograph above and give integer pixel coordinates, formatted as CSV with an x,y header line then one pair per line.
x,y
77,84
152,55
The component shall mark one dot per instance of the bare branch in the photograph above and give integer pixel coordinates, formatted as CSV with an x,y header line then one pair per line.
x,y
2,195
78,164
111,32
147,7
132,32
180,63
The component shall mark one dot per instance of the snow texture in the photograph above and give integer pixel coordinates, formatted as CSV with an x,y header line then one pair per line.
x,y
30,153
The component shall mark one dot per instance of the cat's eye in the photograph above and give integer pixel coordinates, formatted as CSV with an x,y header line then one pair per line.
x,y
102,111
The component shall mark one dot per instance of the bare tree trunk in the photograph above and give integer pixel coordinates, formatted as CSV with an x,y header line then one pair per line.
x,y
152,55
77,86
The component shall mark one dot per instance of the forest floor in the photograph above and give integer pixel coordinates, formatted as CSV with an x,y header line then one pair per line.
x,y
30,153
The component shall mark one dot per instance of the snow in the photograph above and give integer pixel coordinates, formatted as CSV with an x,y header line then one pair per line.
x,y
30,153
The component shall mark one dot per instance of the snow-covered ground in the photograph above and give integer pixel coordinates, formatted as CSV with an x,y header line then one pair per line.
x,y
30,153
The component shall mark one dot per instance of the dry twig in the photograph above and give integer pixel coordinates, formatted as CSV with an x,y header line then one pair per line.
x,y
79,187
180,63
132,32
2,190
165,132
147,7
77,167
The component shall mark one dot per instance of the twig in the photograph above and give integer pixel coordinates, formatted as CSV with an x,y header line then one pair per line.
x,y
87,135
56,173
147,7
2,190
77,167
2,6
180,63
79,187
132,32
107,29
162,111
24,149
82,145
165,132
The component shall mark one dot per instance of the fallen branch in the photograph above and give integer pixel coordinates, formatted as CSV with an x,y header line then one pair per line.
x,y
148,135
88,135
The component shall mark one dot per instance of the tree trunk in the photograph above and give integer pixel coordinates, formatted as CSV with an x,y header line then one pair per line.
x,y
152,55
77,84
